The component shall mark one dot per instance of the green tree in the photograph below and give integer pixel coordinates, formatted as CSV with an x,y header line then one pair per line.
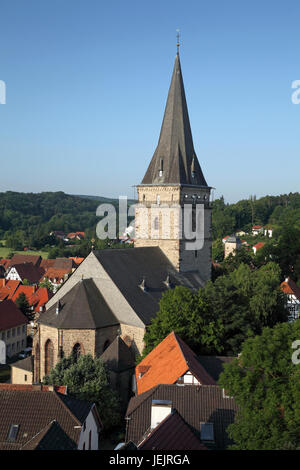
x,y
23,304
87,379
186,313
264,382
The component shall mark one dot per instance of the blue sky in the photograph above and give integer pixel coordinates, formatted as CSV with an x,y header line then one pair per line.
x,y
87,83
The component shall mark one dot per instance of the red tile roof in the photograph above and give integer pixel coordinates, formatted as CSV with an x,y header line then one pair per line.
x,y
168,361
259,245
5,262
37,297
10,315
290,287
76,259
7,288
255,227
30,387
53,273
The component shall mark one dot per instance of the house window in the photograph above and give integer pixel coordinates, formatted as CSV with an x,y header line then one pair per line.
x,y
18,331
23,329
49,356
207,431
13,347
25,378
12,435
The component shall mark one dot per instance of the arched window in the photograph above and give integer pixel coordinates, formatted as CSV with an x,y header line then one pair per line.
x,y
49,356
106,344
77,350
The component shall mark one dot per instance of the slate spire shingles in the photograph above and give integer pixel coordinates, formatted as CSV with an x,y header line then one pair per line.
x,y
174,160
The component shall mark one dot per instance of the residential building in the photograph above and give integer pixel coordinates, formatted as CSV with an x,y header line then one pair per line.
x,y
257,230
257,247
22,371
204,409
50,420
292,292
20,259
268,232
232,245
171,362
25,271
12,327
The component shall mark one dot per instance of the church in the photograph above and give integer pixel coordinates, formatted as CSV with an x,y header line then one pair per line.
x,y
115,293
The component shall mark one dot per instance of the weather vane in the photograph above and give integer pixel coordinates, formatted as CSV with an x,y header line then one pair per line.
x,y
178,36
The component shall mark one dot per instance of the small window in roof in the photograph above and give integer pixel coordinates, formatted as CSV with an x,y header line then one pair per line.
x,y
12,435
207,431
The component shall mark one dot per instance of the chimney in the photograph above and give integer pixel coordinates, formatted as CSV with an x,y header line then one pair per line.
x,y
160,409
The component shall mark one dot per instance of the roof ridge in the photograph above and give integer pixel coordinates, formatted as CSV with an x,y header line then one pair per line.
x,y
175,335
58,397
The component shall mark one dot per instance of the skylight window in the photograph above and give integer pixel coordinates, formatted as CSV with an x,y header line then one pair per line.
x,y
12,435
207,432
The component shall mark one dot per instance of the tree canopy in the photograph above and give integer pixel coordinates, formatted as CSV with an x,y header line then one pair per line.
x,y
87,379
265,383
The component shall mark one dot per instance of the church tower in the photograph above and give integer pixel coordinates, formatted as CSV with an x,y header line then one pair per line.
x,y
174,191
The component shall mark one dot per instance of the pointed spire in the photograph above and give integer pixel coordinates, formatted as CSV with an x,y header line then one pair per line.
x,y
174,159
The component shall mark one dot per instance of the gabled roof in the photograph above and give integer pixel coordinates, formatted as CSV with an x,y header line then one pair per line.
x,y
118,356
55,273
8,288
42,408
290,287
173,433
10,315
175,154
28,271
167,362
128,267
195,404
82,307
64,263
24,364
36,297
259,245
19,259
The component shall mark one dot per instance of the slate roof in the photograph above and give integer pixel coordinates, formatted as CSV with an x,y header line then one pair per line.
x,y
10,315
118,357
82,307
195,404
167,362
175,152
173,433
42,408
128,267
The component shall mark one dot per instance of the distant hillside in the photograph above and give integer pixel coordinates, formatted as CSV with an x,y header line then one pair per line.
x,y
106,200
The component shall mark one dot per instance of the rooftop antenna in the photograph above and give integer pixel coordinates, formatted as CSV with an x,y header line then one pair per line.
x,y
178,36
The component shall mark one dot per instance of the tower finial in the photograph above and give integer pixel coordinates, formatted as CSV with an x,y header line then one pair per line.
x,y
178,36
